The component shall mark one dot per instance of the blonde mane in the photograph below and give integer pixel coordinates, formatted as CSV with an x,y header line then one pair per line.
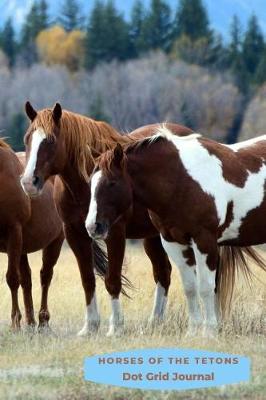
x,y
85,138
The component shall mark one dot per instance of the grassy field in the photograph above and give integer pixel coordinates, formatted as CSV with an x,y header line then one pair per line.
x,y
34,366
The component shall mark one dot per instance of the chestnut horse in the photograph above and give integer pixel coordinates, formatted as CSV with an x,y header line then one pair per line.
x,y
200,195
64,143
26,226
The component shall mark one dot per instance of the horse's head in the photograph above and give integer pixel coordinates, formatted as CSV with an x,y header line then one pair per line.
x,y
44,149
111,193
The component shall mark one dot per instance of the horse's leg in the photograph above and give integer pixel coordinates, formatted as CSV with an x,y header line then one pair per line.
x,y
184,259
14,247
25,281
116,250
161,273
49,258
81,245
206,253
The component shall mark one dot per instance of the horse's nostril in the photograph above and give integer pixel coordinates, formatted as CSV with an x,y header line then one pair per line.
x,y
35,180
98,227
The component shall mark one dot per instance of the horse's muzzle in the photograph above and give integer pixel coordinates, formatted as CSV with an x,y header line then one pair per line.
x,y
32,186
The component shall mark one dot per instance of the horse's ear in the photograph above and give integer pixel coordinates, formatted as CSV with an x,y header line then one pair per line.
x,y
57,112
31,113
118,156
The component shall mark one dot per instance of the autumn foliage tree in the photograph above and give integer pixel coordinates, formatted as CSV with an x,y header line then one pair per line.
x,y
56,46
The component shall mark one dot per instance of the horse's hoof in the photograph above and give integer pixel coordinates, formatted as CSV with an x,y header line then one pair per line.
x,y
210,332
89,329
154,322
30,328
194,331
115,330
46,330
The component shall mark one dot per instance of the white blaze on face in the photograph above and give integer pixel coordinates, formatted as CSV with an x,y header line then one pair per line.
x,y
37,137
92,214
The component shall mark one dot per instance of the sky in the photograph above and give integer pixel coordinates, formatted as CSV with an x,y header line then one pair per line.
x,y
220,11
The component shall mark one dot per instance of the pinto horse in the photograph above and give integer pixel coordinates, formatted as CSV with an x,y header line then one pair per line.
x,y
200,195
64,143
26,226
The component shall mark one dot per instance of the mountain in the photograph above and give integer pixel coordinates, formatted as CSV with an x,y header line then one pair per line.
x,y
220,12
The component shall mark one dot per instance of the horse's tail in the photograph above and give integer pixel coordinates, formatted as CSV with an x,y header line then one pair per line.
x,y
101,267
233,259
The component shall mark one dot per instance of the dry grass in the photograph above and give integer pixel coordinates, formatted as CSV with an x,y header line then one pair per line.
x,y
50,367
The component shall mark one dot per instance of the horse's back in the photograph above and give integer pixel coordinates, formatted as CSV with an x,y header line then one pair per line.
x,y
151,129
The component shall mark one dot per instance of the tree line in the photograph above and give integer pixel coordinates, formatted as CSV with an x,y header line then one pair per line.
x,y
80,41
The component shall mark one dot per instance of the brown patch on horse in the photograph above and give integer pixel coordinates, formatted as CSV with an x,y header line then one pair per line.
x,y
150,130
233,171
228,219
189,256
252,161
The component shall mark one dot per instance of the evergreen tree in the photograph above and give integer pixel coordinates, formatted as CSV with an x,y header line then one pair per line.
x,y
71,17
253,45
43,15
31,26
107,36
36,21
136,28
157,28
235,60
260,76
8,42
16,128
235,45
191,20
97,109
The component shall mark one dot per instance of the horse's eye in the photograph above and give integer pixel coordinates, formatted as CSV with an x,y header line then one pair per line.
x,y
50,140
111,183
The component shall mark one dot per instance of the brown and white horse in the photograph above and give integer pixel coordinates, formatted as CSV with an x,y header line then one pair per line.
x,y
64,143
26,226
200,194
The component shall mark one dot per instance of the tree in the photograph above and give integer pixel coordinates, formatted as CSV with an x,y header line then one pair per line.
x,y
31,26
136,28
8,43
107,35
16,129
36,20
56,46
43,15
235,45
157,27
97,109
71,17
260,76
235,56
191,20
253,45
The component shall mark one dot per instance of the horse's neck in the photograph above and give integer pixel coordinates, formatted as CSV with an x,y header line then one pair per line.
x,y
141,177
74,184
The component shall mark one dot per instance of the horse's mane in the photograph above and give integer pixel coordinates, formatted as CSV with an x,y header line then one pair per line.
x,y
85,138
3,144
104,162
